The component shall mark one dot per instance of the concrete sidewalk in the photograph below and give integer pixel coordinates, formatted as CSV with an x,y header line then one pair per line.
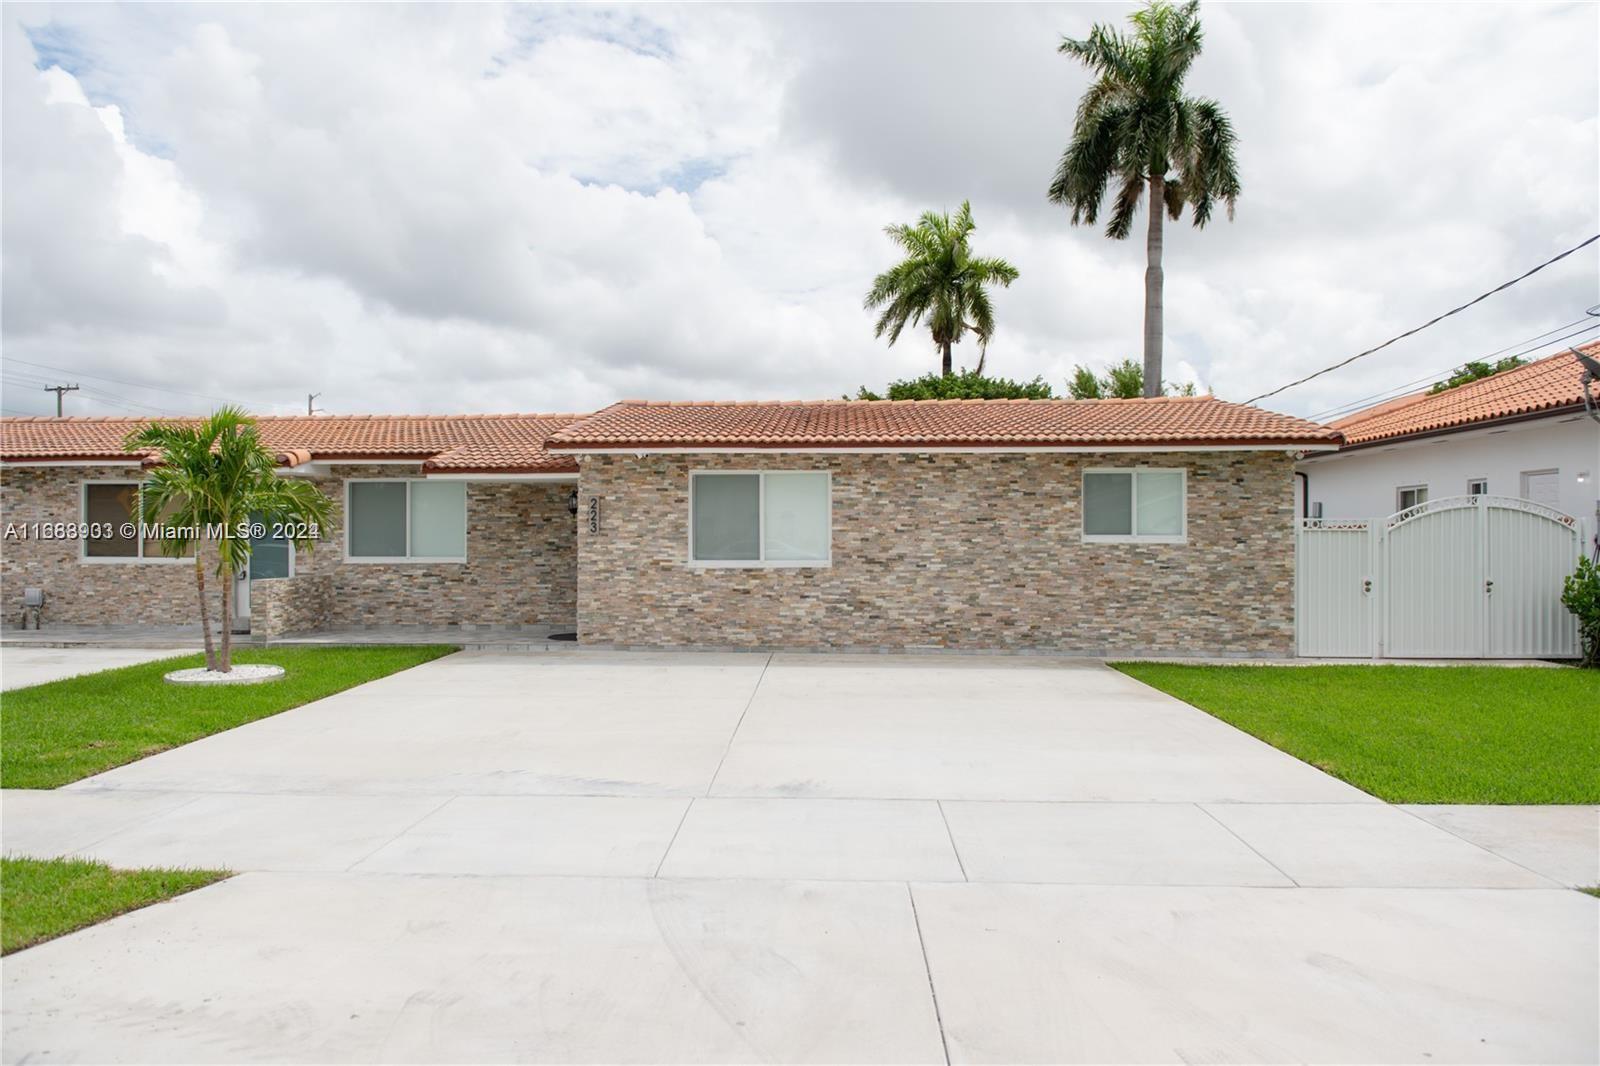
x,y
1333,845
21,666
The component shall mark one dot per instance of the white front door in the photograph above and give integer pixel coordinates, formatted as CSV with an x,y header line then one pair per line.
x,y
1542,486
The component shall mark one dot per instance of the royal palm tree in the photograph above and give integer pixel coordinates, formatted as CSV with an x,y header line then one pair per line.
x,y
939,280
217,475
1135,127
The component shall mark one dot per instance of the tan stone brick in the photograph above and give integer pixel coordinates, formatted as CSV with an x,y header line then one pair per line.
x,y
951,551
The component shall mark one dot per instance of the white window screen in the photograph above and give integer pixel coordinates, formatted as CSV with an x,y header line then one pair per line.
x,y
1108,505
377,519
727,517
796,517
438,520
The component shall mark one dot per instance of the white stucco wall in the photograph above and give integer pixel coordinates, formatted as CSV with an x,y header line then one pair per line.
x,y
1363,483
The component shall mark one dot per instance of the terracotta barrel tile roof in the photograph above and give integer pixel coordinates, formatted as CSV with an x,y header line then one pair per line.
x,y
1171,421
1550,384
446,443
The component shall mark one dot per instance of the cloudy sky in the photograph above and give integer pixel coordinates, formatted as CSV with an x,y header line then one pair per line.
x,y
477,208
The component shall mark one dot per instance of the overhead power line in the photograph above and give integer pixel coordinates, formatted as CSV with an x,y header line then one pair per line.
x,y
31,381
1432,321
115,381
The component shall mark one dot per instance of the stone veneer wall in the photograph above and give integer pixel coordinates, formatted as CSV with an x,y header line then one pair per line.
x,y
520,570
521,566
952,551
158,592
298,604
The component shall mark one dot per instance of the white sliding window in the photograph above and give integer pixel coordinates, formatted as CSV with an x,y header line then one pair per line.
x,y
777,518
1132,506
401,521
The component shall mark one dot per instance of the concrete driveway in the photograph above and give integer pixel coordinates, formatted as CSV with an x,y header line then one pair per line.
x,y
613,857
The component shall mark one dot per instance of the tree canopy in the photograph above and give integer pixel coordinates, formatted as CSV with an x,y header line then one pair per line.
x,y
1137,130
940,282
1122,381
1135,123
967,385
1476,370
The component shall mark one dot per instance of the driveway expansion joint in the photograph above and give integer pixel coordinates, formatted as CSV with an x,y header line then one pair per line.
x,y
1207,811
735,734
1490,851
933,991
953,848
430,813
684,817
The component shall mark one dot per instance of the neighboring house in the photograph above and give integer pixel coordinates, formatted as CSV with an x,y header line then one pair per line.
x,y
1095,526
450,520
1522,433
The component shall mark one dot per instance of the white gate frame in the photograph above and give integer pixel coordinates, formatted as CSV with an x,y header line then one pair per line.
x,y
1376,577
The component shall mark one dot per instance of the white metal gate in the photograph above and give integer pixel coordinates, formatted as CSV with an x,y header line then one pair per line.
x,y
1465,577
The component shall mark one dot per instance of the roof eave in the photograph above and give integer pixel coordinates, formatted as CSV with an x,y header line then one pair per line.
x,y
90,458
1460,427
546,472
669,447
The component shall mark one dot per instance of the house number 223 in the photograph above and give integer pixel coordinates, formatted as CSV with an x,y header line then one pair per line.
x,y
594,514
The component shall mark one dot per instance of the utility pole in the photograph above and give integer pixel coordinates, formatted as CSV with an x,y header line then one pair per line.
x,y
60,390
310,399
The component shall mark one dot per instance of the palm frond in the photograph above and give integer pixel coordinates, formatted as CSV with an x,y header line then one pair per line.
x,y
992,271
981,309
1126,206
1174,195
1170,38
1089,162
1105,51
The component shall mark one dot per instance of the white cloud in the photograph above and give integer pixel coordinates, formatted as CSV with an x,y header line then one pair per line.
x,y
481,208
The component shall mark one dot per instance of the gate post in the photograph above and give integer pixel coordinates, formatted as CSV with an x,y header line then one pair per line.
x,y
1485,579
1378,598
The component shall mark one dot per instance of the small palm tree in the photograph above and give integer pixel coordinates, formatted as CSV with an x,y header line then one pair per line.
x,y
218,476
939,280
1136,127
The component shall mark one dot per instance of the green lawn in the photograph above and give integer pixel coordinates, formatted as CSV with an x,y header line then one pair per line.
x,y
67,730
41,899
1414,734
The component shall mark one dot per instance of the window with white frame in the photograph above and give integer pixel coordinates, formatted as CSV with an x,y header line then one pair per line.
x,y
1477,486
1135,505
403,520
112,517
1409,496
765,518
